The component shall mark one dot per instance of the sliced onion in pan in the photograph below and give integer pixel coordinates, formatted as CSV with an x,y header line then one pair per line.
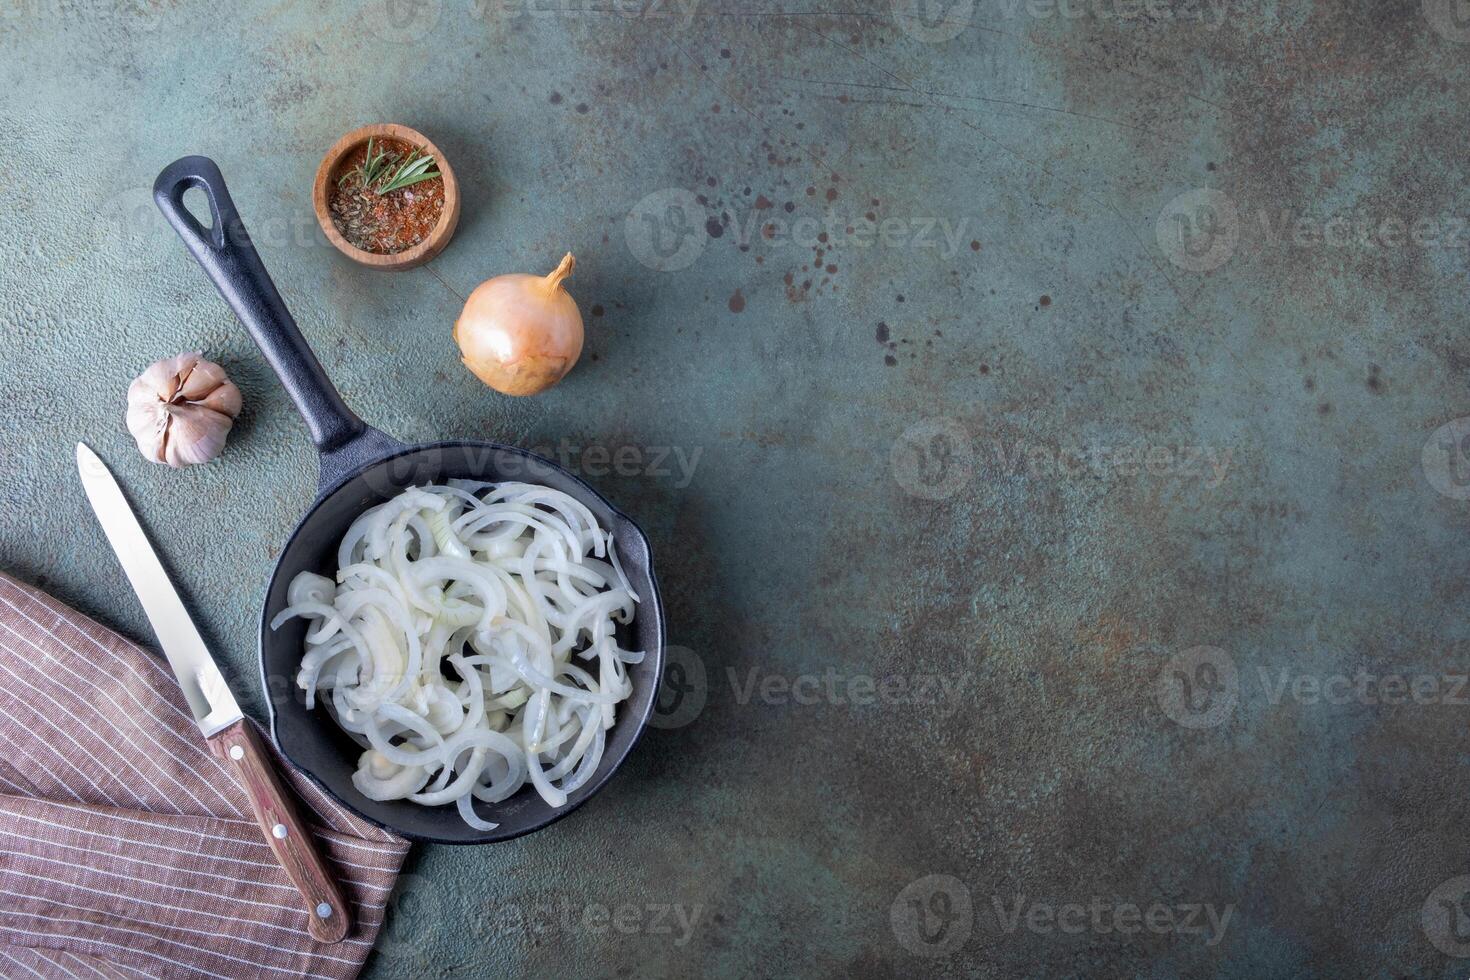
x,y
446,644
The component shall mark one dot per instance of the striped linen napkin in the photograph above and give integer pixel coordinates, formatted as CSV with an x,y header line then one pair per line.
x,y
126,850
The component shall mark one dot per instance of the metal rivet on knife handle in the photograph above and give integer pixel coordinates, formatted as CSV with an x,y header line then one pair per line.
x,y
291,840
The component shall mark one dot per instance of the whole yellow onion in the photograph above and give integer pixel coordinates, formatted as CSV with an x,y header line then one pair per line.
x,y
521,334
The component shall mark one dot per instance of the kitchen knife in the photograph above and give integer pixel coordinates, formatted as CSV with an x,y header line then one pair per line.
x,y
229,736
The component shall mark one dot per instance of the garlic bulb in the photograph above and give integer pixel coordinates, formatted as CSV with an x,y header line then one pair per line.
x,y
181,409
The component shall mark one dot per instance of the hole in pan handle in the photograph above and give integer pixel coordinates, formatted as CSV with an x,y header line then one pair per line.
x,y
228,256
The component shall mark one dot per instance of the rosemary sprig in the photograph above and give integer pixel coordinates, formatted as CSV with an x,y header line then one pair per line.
x,y
382,172
412,169
372,167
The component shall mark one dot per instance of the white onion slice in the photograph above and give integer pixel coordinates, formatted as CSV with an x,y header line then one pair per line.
x,y
446,644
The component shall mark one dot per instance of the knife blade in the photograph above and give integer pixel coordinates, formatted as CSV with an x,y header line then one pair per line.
x,y
204,687
230,739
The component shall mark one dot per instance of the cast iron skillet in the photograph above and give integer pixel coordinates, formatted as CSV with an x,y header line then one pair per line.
x,y
361,466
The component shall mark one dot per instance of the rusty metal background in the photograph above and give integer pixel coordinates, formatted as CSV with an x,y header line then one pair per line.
x,y
1050,416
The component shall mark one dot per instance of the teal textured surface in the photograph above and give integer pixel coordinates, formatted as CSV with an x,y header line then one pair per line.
x,y
1050,422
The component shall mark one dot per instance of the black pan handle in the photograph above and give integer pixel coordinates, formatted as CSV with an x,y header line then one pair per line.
x,y
225,251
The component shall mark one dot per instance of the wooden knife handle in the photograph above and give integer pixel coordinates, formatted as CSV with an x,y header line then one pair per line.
x,y
240,750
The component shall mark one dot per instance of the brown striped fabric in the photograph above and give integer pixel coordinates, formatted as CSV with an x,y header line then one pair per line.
x,y
126,849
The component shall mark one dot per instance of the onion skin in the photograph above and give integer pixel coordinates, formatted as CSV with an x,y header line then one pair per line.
x,y
521,334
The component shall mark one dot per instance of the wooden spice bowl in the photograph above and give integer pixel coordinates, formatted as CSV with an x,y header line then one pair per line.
x,y
329,173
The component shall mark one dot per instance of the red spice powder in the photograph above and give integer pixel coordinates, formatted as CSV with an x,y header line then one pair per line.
x,y
383,223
